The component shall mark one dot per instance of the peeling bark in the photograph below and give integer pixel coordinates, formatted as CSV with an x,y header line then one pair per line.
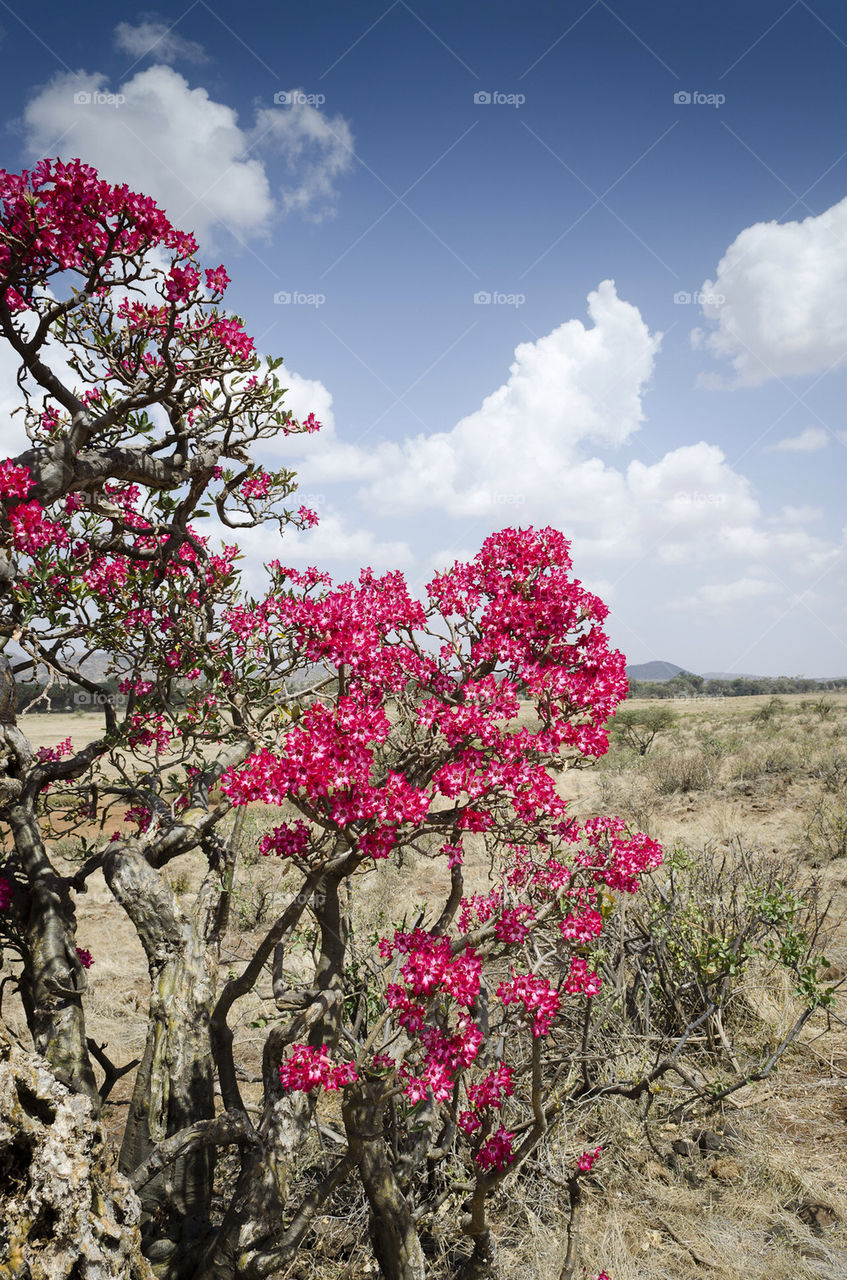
x,y
53,980
395,1240
65,1214
174,1087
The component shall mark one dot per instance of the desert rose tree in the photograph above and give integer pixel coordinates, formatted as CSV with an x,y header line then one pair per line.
x,y
141,399
412,1071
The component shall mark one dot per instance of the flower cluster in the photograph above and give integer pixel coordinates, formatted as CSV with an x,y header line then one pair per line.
x,y
15,481
256,486
85,958
580,980
537,997
289,840
62,749
588,1159
307,1068
497,1152
5,894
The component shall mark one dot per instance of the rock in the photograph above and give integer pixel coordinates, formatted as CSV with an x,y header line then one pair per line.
x,y
727,1170
65,1214
709,1140
817,1217
685,1147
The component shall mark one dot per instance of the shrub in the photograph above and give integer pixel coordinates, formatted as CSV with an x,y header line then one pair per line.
x,y
638,729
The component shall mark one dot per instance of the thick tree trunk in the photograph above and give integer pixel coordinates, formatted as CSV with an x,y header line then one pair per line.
x,y
395,1240
54,979
64,1211
174,1087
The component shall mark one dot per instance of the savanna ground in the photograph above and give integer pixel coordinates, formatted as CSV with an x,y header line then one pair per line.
x,y
757,1189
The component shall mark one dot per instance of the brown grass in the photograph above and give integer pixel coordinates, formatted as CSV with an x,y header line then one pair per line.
x,y
778,782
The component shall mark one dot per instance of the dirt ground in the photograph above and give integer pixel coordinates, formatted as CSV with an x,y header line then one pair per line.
x,y
772,1205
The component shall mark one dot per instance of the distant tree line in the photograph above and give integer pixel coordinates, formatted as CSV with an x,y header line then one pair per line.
x,y
687,685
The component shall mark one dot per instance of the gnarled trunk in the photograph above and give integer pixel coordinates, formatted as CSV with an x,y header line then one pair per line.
x,y
174,1087
54,980
395,1240
63,1210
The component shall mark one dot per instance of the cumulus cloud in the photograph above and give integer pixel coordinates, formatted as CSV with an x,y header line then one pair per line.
x,y
808,441
690,501
152,37
783,288
523,447
188,151
527,456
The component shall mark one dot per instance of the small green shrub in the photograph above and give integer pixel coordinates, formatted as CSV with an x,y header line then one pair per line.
x,y
637,729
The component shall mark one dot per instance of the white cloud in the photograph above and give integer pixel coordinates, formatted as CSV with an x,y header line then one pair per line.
x,y
521,448
318,149
719,596
524,458
691,501
189,152
800,515
784,290
152,37
335,544
808,441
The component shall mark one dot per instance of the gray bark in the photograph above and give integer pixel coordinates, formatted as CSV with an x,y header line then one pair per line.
x,y
64,1212
174,1087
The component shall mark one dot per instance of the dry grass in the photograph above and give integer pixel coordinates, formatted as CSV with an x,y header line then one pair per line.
x,y
725,772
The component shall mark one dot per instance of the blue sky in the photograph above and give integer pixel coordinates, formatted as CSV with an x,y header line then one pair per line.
x,y
427,154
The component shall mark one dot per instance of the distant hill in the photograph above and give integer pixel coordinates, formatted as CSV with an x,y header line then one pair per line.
x,y
658,672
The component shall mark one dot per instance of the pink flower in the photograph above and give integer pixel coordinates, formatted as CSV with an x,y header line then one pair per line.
x,y
537,997
256,485
588,1159
85,958
216,279
5,894
62,749
497,1152
581,980
15,482
308,1068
